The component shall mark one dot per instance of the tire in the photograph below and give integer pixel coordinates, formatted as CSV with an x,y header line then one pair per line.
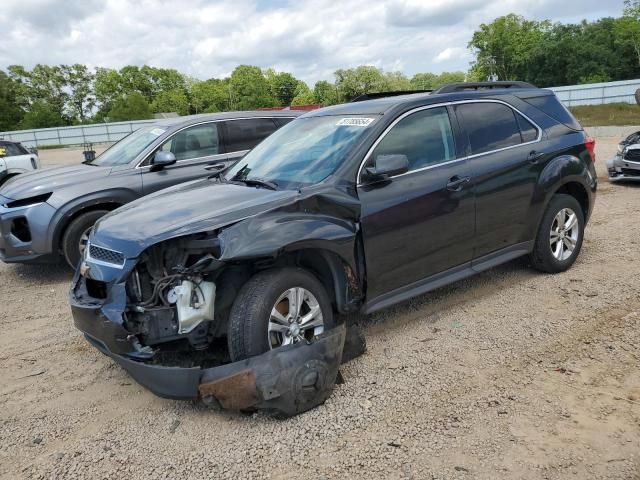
x,y
7,178
74,232
546,255
250,318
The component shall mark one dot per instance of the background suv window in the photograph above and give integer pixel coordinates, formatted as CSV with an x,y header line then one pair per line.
x,y
490,126
425,137
194,142
246,134
11,150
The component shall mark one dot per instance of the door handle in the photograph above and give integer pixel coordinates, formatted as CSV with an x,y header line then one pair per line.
x,y
456,183
534,156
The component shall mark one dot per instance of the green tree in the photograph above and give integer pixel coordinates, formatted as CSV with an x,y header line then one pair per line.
x,y
249,89
130,107
10,111
42,115
210,96
282,86
504,46
353,82
627,29
431,81
304,98
81,99
395,82
43,83
171,101
325,93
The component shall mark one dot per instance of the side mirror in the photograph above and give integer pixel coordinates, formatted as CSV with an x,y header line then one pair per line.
x,y
162,159
387,166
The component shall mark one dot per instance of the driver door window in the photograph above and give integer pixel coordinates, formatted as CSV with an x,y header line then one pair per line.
x,y
425,137
195,142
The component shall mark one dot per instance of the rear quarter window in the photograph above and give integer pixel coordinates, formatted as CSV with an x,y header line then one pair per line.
x,y
550,105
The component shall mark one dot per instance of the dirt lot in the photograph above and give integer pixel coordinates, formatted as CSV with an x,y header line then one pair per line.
x,y
511,374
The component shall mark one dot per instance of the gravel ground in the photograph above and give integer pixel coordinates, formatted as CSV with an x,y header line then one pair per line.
x,y
510,374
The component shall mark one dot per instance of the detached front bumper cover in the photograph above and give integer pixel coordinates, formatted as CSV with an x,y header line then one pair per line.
x,y
284,381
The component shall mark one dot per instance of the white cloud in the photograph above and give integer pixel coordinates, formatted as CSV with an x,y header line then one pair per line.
x,y
451,53
310,38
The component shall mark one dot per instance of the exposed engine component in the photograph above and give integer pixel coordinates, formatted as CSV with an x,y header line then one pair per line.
x,y
194,302
172,294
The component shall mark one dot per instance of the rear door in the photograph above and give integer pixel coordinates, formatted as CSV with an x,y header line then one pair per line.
x,y
505,158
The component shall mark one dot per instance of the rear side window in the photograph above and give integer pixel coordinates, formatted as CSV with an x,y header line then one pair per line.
x,y
281,122
490,126
10,150
246,134
425,137
550,105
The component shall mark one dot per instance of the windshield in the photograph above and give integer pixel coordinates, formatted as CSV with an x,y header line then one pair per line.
x,y
304,152
129,147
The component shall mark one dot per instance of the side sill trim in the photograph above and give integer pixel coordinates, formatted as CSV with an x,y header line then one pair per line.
x,y
448,276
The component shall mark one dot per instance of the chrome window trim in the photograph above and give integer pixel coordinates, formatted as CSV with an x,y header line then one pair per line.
x,y
448,162
148,151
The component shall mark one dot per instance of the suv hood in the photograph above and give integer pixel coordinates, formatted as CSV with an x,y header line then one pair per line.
x,y
182,210
48,180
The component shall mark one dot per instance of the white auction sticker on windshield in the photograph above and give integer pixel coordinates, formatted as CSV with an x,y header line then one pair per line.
x,y
157,132
356,122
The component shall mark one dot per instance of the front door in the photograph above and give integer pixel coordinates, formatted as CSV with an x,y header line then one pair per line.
x,y
196,149
422,222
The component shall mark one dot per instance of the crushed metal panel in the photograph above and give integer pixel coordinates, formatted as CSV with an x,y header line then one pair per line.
x,y
236,392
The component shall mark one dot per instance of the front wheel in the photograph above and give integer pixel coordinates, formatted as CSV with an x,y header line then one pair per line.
x,y
276,308
76,236
560,235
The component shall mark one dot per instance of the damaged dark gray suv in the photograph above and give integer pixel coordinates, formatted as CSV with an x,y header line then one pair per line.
x,y
230,288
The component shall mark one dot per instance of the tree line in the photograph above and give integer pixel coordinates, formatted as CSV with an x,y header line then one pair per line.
x,y
509,48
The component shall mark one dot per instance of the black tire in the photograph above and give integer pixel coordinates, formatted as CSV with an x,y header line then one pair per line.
x,y
249,317
73,233
542,257
7,178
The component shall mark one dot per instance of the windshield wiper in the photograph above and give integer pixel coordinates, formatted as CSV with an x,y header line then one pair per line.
x,y
257,182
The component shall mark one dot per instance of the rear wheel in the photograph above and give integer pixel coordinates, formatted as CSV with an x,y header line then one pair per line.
x,y
276,308
76,236
560,235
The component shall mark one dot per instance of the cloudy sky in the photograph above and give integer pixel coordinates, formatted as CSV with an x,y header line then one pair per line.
x,y
310,38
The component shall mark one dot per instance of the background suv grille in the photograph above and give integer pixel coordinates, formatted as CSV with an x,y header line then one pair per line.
x,y
633,155
106,255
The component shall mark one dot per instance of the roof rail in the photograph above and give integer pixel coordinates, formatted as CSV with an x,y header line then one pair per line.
x,y
372,96
462,86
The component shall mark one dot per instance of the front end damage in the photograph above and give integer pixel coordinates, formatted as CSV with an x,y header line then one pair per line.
x,y
163,315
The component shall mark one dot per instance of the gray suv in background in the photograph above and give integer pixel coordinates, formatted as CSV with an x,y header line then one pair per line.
x,y
49,213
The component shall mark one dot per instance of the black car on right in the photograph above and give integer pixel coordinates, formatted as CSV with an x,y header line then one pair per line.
x,y
349,208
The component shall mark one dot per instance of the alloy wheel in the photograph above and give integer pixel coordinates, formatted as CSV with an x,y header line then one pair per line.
x,y
564,234
296,316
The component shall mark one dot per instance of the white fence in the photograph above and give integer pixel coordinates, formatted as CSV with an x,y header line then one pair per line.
x,y
598,93
96,133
